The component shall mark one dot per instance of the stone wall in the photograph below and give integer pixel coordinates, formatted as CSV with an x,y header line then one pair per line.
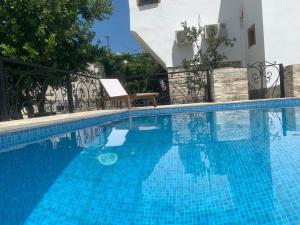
x,y
292,81
229,84
179,90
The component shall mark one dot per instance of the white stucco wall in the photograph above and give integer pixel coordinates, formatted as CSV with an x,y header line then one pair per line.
x,y
253,15
154,26
277,28
282,31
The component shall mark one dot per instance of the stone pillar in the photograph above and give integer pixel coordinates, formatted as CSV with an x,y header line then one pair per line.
x,y
292,80
229,84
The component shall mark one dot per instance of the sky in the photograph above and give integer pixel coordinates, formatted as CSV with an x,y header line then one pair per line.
x,y
118,28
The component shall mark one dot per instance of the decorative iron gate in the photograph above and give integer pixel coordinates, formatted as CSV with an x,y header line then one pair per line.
x,y
266,80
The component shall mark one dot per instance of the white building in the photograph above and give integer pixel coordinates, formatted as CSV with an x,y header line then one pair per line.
x,y
265,29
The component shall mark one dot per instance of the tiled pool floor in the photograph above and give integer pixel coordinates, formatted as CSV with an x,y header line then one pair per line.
x,y
225,167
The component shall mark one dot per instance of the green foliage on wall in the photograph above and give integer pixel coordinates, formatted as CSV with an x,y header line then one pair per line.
x,y
206,57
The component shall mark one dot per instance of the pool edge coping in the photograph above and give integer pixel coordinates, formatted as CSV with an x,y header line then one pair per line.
x,y
26,124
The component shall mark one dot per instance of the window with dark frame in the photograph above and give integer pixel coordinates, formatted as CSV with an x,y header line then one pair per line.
x,y
147,2
251,36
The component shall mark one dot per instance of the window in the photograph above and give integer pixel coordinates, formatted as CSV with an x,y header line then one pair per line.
x,y
147,2
251,36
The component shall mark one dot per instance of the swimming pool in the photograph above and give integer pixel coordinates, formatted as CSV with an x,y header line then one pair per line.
x,y
228,164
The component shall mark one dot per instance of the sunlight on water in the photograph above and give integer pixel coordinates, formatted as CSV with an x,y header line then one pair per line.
x,y
226,167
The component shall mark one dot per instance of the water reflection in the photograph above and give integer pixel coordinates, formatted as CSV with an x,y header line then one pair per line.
x,y
27,172
212,167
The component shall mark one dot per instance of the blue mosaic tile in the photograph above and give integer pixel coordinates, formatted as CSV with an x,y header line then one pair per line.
x,y
16,138
178,166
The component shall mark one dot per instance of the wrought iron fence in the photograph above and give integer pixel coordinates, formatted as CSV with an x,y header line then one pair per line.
x,y
266,80
173,86
155,83
31,90
190,86
86,89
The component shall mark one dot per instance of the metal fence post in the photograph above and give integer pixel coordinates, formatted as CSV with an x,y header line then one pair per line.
x,y
281,75
102,101
69,93
3,100
208,80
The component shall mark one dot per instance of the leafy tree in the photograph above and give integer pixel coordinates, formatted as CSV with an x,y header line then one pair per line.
x,y
54,33
209,58
140,72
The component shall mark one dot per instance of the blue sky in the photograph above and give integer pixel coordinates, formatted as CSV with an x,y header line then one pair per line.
x,y
117,27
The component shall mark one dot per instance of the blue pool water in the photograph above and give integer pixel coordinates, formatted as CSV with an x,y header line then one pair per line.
x,y
225,167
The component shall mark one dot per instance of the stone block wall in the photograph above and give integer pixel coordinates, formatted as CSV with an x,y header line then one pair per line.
x,y
292,81
229,84
178,88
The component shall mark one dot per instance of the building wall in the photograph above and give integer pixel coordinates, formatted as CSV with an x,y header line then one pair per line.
x,y
252,14
276,23
282,31
154,26
277,28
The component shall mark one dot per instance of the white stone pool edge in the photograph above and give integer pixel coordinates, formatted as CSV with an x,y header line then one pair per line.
x,y
24,124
